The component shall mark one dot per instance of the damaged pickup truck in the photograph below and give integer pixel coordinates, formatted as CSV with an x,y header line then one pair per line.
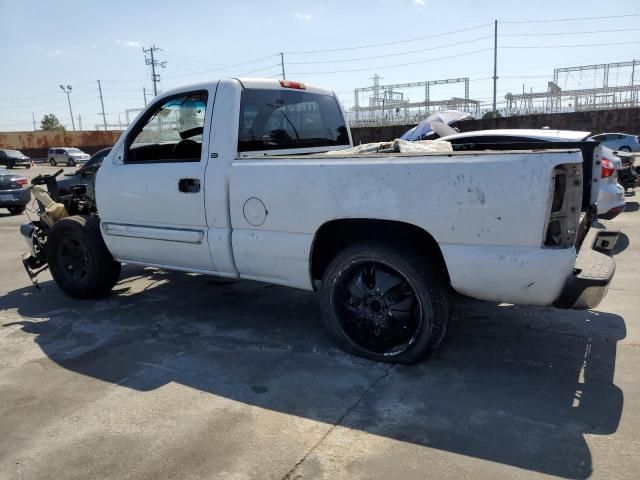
x,y
232,178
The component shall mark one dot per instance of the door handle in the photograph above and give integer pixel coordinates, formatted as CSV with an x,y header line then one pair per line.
x,y
189,185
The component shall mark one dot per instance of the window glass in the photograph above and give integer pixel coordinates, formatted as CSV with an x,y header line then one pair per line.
x,y
172,133
281,119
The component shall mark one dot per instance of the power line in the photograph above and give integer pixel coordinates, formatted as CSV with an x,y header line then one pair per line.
x,y
393,54
572,46
259,70
551,20
618,30
226,67
381,67
372,45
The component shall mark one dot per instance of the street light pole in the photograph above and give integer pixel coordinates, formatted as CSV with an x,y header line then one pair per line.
x,y
68,91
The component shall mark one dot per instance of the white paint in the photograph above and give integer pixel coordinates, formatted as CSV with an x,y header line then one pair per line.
x,y
487,210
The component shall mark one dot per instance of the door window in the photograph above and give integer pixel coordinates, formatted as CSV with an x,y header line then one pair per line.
x,y
171,132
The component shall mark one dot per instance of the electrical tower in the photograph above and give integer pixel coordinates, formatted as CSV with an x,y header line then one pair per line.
x,y
151,60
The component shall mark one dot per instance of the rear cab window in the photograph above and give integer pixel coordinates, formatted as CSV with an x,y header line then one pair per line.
x,y
289,119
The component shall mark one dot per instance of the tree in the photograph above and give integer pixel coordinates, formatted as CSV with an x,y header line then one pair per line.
x,y
51,122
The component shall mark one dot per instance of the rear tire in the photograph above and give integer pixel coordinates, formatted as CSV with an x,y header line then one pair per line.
x,y
384,303
52,162
79,260
16,209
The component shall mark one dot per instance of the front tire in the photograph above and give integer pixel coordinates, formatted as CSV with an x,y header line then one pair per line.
x,y
624,148
16,209
79,260
71,162
384,303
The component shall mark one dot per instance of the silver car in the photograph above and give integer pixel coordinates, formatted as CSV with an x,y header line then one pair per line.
x,y
69,155
619,141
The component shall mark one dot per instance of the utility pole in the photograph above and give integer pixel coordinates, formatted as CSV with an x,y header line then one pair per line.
x,y
282,65
151,60
68,91
495,63
79,122
144,94
104,117
33,116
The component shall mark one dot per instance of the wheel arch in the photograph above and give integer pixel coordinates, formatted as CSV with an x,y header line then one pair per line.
x,y
335,235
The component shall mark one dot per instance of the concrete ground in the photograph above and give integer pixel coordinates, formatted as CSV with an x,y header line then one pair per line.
x,y
183,376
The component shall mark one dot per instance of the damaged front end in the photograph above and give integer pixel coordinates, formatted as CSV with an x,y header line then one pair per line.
x,y
52,207
35,259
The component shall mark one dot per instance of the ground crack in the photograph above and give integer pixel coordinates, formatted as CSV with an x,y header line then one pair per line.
x,y
387,372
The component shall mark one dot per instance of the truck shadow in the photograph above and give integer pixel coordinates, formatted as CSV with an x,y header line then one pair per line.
x,y
519,386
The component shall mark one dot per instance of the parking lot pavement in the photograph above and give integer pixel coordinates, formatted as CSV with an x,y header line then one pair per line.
x,y
184,376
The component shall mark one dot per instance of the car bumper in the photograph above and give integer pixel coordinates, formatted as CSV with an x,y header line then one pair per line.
x,y
593,272
21,161
610,197
9,198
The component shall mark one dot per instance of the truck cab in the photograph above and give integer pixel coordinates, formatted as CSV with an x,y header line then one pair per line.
x,y
171,167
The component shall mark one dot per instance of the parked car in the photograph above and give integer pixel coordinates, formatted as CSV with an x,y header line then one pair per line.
x,y
84,175
14,196
384,236
619,141
71,156
14,158
610,195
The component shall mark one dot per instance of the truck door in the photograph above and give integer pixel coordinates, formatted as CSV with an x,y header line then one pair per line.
x,y
151,196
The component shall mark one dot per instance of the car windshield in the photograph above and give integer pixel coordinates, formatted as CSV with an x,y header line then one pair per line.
x,y
74,150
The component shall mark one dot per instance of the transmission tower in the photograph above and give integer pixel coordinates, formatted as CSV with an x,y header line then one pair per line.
x,y
151,60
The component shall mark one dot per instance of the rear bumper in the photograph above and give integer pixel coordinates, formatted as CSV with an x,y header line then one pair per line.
x,y
9,198
593,272
20,162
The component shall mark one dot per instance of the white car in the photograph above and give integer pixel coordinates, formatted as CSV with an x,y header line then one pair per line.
x,y
610,196
619,141
70,156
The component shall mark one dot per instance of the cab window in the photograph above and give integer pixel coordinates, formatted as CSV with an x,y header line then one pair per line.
x,y
171,132
283,119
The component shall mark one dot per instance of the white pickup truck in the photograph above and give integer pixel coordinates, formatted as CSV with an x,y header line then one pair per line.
x,y
229,178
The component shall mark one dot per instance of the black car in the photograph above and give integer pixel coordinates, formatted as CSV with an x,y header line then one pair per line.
x,y
14,158
85,175
13,193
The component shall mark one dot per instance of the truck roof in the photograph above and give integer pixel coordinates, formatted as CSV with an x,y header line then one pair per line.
x,y
253,83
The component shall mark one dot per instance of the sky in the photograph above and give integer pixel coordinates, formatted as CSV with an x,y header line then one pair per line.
x,y
45,44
